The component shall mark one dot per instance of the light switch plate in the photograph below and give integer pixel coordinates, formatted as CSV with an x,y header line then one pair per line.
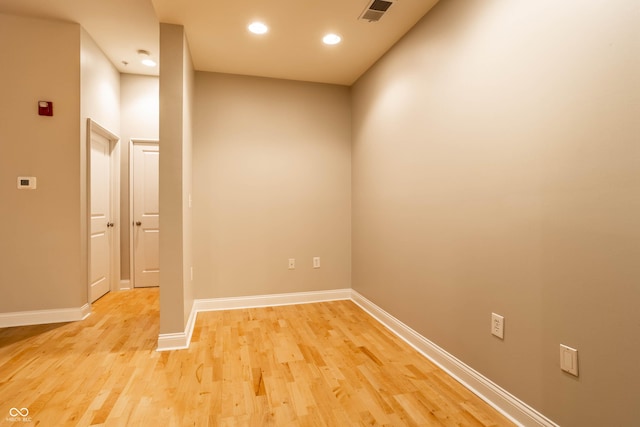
x,y
569,359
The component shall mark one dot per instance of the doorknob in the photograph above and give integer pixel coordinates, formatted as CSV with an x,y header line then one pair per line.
x,y
138,223
110,224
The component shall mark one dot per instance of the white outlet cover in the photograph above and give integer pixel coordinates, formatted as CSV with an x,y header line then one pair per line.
x,y
26,182
497,325
569,359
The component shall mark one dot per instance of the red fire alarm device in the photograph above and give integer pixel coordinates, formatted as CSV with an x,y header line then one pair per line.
x,y
45,108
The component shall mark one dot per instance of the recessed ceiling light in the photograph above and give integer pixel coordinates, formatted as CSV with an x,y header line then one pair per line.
x,y
331,39
146,58
258,28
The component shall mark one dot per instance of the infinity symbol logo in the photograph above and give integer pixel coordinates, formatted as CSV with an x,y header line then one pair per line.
x,y
15,412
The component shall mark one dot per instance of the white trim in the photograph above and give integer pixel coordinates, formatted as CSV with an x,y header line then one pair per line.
x,y
177,341
232,303
500,399
85,311
180,340
40,317
125,285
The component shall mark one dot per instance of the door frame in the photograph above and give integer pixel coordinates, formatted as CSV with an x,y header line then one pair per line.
x,y
114,195
132,142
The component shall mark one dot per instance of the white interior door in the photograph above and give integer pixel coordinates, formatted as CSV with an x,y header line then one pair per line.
x,y
146,215
101,212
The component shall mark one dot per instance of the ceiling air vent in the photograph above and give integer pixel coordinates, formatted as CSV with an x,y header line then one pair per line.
x,y
375,10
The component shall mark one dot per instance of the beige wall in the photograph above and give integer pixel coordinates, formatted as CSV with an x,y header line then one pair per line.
x,y
496,167
100,87
41,262
176,71
271,167
138,120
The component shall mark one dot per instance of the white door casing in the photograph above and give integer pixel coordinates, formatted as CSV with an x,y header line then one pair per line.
x,y
145,229
103,211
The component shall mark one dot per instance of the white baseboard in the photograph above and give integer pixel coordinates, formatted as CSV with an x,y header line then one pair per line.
x,y
180,340
503,401
271,300
39,317
125,285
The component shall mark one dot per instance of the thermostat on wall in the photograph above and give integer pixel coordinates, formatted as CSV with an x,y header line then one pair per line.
x,y
26,183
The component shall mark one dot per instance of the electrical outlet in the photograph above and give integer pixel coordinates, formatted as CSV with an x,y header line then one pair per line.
x,y
316,262
26,182
497,325
292,263
569,359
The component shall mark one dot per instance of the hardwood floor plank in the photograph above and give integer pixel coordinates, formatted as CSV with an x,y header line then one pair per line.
x,y
324,364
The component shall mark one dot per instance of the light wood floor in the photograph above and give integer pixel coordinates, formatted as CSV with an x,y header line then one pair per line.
x,y
326,364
